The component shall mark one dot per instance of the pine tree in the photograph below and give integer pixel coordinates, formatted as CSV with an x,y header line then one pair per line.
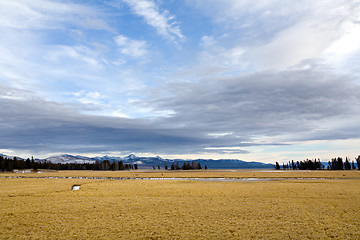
x,y
114,166
277,166
358,162
121,165
347,164
106,165
28,163
2,163
184,167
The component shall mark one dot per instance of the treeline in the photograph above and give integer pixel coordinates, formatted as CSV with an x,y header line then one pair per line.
x,y
185,166
8,165
334,164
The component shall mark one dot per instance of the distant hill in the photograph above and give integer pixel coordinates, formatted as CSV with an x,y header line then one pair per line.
x,y
150,162
66,158
11,157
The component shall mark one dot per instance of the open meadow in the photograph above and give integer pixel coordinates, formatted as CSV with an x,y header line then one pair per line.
x,y
308,208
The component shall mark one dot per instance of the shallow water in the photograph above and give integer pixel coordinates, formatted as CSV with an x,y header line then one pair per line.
x,y
176,178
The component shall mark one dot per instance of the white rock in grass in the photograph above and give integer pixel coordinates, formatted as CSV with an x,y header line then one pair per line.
x,y
75,187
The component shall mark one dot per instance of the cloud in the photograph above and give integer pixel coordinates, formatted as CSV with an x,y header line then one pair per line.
x,y
218,56
48,15
163,22
207,41
131,47
278,34
33,124
78,53
90,100
222,116
43,126
277,106
38,44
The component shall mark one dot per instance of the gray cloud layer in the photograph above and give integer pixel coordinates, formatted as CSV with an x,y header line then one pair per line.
x,y
267,104
293,105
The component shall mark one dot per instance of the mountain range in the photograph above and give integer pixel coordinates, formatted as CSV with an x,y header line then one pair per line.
x,y
150,162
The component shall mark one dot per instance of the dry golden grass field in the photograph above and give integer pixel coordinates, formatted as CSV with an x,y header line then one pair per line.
x,y
39,208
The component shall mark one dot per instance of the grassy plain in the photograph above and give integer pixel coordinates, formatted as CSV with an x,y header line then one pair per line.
x,y
195,174
37,208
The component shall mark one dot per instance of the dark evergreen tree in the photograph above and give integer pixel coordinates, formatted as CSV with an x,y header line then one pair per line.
x,y
2,163
347,164
337,163
121,165
184,167
293,165
28,163
114,166
106,165
277,166
10,165
177,167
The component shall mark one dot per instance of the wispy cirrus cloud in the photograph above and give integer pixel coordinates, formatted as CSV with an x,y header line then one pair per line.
x,y
49,15
163,22
77,53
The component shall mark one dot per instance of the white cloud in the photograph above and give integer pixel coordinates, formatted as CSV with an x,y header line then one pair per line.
x,y
207,41
345,47
278,34
161,21
80,53
214,54
92,102
42,14
292,46
131,47
324,27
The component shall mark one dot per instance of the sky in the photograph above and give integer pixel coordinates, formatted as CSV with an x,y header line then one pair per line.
x,y
265,80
